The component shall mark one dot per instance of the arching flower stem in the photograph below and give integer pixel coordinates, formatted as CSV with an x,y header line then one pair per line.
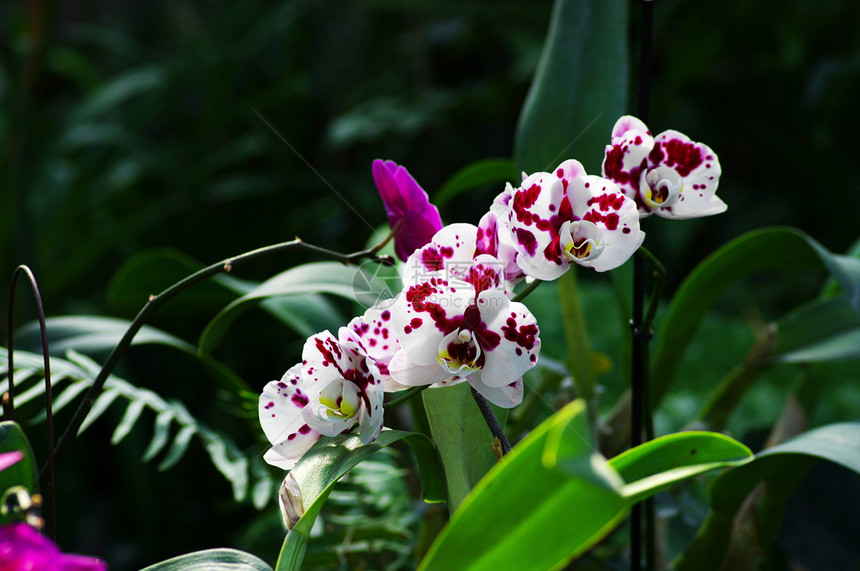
x,y
156,301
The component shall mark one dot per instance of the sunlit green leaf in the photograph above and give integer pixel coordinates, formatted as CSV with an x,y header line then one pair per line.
x,y
546,515
462,438
658,464
329,459
212,559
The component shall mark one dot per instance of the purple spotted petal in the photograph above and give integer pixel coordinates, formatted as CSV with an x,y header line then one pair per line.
x,y
627,156
700,170
600,201
407,206
518,344
329,366
280,409
450,251
508,396
536,211
374,335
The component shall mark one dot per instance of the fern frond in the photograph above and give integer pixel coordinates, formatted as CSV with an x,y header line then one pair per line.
x,y
74,374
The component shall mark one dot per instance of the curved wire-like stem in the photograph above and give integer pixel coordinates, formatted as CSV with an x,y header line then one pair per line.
x,y
156,301
47,477
491,420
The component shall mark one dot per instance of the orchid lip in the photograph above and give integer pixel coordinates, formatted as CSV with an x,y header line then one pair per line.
x,y
661,187
581,240
459,353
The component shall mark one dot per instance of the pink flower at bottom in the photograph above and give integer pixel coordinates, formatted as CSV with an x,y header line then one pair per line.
x,y
22,548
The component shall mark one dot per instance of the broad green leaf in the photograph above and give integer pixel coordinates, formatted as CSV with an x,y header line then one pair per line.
x,y
823,330
782,467
777,248
658,464
355,284
329,459
462,438
24,472
529,513
487,171
579,89
212,559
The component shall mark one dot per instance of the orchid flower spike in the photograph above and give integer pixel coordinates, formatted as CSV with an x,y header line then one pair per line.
x,y
668,175
412,218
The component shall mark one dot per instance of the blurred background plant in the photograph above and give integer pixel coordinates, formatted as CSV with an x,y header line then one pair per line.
x,y
213,128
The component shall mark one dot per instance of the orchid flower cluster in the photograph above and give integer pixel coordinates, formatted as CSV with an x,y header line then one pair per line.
x,y
455,319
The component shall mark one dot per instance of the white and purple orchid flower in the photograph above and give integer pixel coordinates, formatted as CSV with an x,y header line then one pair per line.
x,y
336,386
555,219
668,175
412,218
455,322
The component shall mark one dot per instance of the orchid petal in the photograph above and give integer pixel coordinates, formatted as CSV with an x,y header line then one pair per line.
x,y
410,214
700,170
625,158
451,249
409,373
518,344
600,201
508,396
535,214
280,411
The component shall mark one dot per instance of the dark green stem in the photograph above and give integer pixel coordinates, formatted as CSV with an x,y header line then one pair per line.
x,y
47,476
527,290
404,397
491,420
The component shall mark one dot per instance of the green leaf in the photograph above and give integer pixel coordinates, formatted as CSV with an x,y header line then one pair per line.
x,y
24,472
530,514
355,284
658,464
93,334
329,459
782,467
487,171
777,248
462,438
580,87
823,330
215,559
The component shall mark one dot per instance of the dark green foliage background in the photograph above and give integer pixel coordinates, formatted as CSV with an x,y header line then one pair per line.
x,y
128,126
